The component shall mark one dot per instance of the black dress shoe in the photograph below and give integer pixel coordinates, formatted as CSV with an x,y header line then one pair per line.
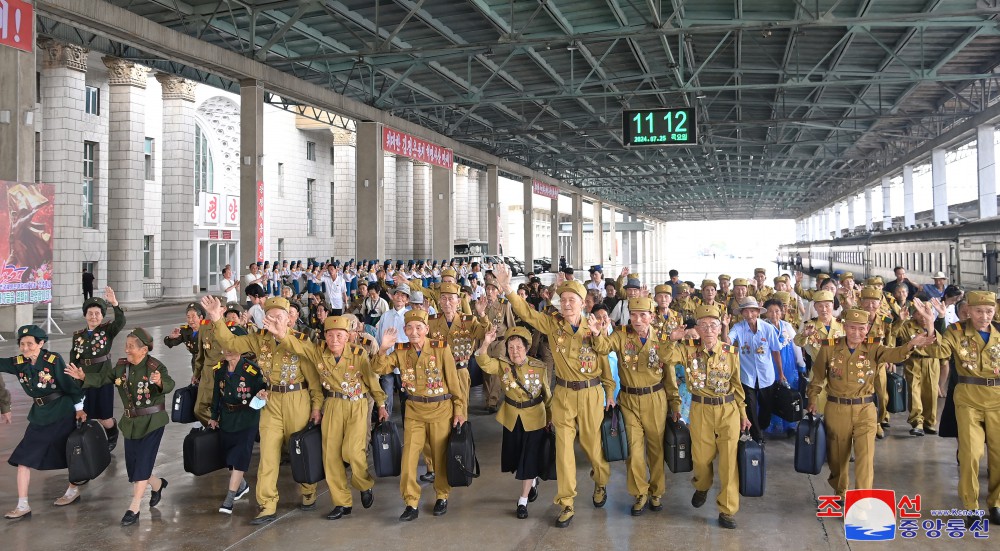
x,y
410,513
427,477
969,520
264,519
154,496
995,515
440,507
533,494
112,437
930,430
130,518
522,511
884,424
367,498
699,498
727,521
337,512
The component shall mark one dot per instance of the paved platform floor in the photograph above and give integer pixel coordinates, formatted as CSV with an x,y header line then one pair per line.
x,y
479,517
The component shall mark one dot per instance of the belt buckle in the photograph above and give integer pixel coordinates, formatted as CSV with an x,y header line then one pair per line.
x,y
39,402
992,382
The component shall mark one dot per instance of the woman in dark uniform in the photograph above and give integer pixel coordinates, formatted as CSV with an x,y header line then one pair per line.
x,y
237,382
524,411
142,383
187,334
58,403
91,350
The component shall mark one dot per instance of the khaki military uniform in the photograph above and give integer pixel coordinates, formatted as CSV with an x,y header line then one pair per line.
x,y
812,344
499,314
208,355
685,307
851,417
462,336
666,323
648,385
736,314
881,331
527,394
577,397
922,373
977,406
434,397
806,294
764,294
434,294
288,408
348,382
717,407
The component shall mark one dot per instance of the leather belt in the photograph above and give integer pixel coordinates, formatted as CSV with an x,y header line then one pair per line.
x,y
462,364
428,400
851,401
145,411
234,407
578,385
289,388
335,394
980,381
712,401
642,391
95,361
523,405
48,398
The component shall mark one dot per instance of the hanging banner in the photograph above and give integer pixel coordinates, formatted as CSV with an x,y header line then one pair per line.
x,y
26,243
545,190
16,24
232,210
260,220
213,208
400,143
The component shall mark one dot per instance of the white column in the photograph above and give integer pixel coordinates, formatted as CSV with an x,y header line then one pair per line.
x,y
345,176
909,217
421,210
868,208
483,209
939,183
886,203
179,279
472,204
576,233
404,208
390,202
850,214
836,219
528,224
599,231
460,210
986,153
611,252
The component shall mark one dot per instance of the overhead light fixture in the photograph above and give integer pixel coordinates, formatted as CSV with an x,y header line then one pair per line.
x,y
701,96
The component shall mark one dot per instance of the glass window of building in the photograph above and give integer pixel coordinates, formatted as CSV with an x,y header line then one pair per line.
x,y
89,158
203,171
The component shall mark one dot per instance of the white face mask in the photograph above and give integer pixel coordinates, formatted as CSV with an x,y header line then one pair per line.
x,y
257,403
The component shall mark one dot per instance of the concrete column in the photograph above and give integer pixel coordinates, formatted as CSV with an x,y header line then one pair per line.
x,y
370,167
483,207
868,208
986,154
442,197
836,219
421,210
576,218
529,224
460,215
345,159
389,202
126,167
612,248
472,204
179,280
17,155
599,231
939,184
909,216
404,208
251,172
492,194
554,220
886,203
634,244
850,214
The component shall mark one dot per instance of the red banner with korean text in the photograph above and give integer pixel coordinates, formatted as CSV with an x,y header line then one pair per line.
x,y
545,190
16,24
400,143
260,220
26,243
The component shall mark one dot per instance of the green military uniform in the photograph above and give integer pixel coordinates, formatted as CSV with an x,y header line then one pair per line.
x,y
848,376
922,373
91,351
577,399
347,381
288,408
232,393
462,335
434,396
145,409
648,385
53,393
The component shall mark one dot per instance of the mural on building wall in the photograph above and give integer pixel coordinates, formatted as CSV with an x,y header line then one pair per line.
x,y
26,243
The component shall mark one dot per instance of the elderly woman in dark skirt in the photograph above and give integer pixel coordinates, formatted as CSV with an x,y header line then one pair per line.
x,y
237,382
58,403
524,412
142,382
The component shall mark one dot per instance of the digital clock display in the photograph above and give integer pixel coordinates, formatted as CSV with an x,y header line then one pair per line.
x,y
676,126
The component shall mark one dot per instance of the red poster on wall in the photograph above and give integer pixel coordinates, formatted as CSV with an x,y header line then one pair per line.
x,y
16,24
260,220
401,143
26,243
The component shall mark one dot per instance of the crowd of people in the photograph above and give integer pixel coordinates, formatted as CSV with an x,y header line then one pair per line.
x,y
340,343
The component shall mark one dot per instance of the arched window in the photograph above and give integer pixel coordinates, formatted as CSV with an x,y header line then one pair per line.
x,y
203,177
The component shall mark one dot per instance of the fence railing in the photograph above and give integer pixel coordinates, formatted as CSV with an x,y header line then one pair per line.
x,y
152,291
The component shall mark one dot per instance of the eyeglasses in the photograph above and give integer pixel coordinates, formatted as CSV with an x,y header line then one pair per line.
x,y
708,325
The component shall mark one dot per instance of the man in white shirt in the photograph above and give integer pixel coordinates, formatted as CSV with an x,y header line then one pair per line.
x,y
257,297
254,277
230,285
393,318
336,290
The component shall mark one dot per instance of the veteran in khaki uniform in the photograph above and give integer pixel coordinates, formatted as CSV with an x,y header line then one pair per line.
x,y
846,368
740,291
577,400
764,292
501,317
974,347
725,288
448,275
818,330
288,408
710,297
879,329
648,386
347,379
206,357
462,333
922,373
718,412
436,401
665,318
684,304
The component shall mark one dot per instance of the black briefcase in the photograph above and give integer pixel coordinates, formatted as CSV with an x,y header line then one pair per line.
x,y
787,403
305,453
810,445
462,465
899,394
87,453
203,452
614,441
677,446
547,456
387,449
752,468
182,409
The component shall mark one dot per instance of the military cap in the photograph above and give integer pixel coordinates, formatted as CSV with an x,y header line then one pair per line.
x,y
981,298
707,311
473,276
255,290
142,336
822,277
725,277
196,307
822,296
846,275
596,268
782,296
518,331
572,287
362,282
683,287
740,281
450,288
641,304
707,283
449,272
415,315
31,331
855,315
781,278
234,307
95,302
759,271
869,292
336,322
873,281
276,302
663,289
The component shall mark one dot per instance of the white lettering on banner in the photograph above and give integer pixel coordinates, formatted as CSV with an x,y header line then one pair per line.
x,y
16,17
545,190
400,143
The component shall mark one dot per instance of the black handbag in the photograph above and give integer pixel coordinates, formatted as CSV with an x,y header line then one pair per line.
x,y
899,393
614,441
387,449
787,403
462,464
305,453
87,453
182,410
203,451
810,445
